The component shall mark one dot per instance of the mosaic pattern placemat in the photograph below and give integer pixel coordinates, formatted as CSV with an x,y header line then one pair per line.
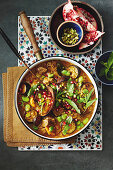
x,y
91,137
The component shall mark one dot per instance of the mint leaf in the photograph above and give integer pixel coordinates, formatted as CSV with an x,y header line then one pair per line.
x,y
89,95
90,102
106,72
104,64
69,120
70,87
72,104
31,90
110,60
110,74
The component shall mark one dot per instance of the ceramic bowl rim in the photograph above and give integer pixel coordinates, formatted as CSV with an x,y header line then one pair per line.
x,y
62,59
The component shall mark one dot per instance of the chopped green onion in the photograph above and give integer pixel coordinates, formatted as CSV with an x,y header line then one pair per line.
x,y
25,99
27,107
85,91
43,87
85,121
64,116
81,125
50,75
39,95
43,77
59,118
42,99
28,114
78,127
65,72
78,122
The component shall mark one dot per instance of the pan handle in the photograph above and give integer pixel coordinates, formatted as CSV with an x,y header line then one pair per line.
x,y
29,31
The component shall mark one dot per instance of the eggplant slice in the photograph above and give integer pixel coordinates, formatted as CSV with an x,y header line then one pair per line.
x,y
74,70
47,122
60,67
25,88
50,108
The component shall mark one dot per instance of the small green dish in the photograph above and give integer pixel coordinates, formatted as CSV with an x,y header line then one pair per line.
x,y
103,58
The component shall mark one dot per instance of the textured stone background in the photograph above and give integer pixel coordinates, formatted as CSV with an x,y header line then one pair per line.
x,y
10,158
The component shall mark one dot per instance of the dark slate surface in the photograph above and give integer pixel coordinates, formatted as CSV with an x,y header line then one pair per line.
x,y
10,158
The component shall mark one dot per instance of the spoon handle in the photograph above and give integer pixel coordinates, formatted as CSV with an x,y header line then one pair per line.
x,y
29,31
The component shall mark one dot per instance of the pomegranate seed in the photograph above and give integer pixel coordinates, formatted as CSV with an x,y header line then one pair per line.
x,y
37,111
59,107
76,100
69,124
53,84
34,92
39,87
64,123
49,93
31,81
46,75
19,103
76,120
71,82
20,89
44,96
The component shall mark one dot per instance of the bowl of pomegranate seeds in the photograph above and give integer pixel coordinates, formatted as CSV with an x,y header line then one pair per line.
x,y
83,14
69,33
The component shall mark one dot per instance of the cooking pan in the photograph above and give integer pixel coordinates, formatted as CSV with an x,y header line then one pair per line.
x,y
29,31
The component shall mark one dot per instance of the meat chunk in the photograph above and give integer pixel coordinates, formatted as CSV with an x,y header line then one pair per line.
x,y
47,80
42,70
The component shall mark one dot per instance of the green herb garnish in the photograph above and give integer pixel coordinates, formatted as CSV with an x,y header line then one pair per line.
x,y
51,128
107,69
72,104
25,99
70,87
32,89
90,102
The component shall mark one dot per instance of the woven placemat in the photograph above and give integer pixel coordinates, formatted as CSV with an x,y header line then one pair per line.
x,y
15,133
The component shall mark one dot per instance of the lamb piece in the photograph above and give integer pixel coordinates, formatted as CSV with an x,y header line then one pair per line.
x,y
47,80
41,70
